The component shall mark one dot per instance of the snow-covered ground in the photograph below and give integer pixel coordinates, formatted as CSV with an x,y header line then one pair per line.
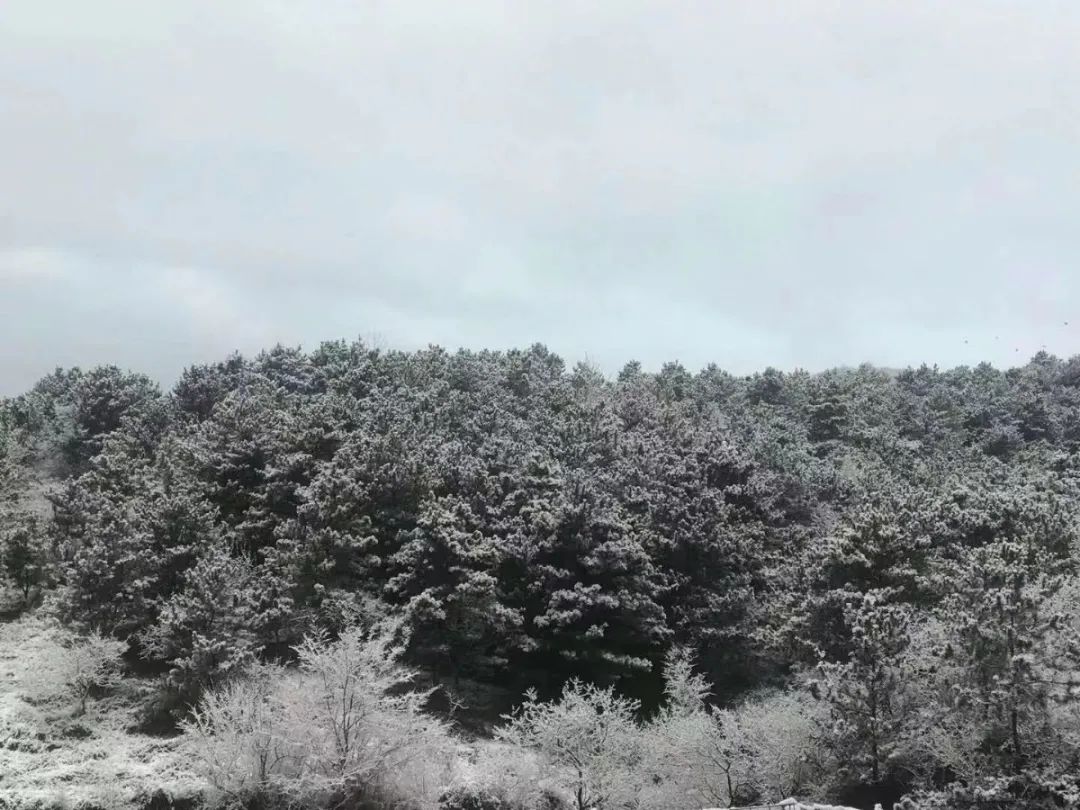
x,y
52,757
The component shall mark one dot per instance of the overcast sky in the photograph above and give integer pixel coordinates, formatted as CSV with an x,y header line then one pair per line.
x,y
752,183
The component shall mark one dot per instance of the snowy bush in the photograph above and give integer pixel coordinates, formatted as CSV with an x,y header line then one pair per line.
x,y
762,749
241,743
471,798
515,776
590,736
74,666
345,726
91,662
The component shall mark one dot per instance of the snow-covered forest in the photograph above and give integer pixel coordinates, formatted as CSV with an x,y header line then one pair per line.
x,y
487,581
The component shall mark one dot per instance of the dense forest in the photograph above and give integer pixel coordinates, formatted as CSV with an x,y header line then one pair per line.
x,y
550,588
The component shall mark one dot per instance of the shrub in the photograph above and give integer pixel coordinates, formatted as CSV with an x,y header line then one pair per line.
x,y
471,798
764,749
344,727
88,663
241,743
514,776
591,738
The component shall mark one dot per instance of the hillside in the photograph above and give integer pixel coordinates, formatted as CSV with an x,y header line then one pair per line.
x,y
849,586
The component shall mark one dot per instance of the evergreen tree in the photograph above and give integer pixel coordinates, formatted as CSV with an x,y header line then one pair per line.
x,y
23,556
865,692
215,625
446,574
998,613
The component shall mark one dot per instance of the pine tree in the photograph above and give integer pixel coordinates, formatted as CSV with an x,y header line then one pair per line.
x,y
864,692
998,614
214,626
23,556
445,573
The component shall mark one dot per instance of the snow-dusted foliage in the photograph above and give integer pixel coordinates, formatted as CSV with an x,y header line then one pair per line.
x,y
88,663
210,628
872,576
765,749
24,557
590,737
343,726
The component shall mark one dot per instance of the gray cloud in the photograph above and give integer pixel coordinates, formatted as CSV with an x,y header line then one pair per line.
x,y
746,182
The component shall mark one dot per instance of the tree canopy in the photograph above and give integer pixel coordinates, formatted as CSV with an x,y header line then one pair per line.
x,y
530,523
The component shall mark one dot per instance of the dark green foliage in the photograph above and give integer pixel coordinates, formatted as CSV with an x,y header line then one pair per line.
x,y
446,572
999,607
23,557
102,401
215,625
864,692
